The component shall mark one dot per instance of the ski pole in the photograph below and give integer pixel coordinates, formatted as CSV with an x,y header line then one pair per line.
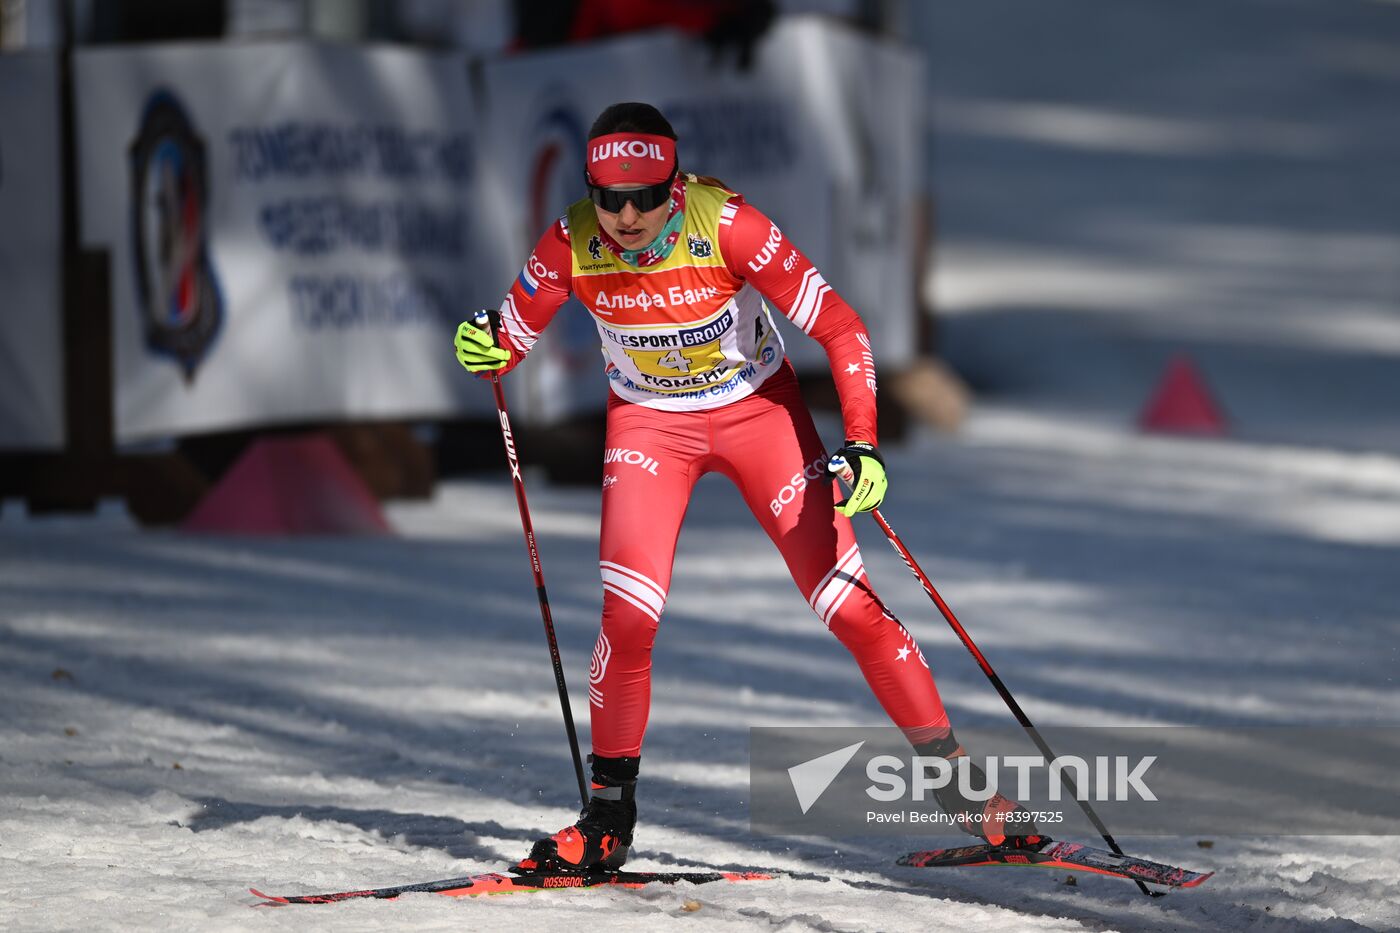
x,y
483,321
841,468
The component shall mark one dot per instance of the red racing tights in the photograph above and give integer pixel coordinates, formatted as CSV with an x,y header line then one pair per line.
x,y
766,443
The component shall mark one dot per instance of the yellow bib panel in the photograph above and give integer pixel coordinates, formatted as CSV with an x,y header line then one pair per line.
x,y
684,334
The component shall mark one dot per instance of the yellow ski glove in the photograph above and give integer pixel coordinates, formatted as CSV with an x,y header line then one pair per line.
x,y
477,350
863,469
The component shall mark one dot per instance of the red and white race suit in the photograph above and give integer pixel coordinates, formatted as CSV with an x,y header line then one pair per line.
x,y
700,384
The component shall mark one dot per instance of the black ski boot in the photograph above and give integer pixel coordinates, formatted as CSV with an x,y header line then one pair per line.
x,y
999,820
602,837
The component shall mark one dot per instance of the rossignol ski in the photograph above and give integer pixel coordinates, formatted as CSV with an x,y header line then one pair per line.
x,y
1067,855
502,883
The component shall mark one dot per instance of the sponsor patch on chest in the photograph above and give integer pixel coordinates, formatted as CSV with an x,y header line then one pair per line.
x,y
673,297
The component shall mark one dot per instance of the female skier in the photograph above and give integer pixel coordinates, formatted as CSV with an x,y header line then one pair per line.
x,y
674,269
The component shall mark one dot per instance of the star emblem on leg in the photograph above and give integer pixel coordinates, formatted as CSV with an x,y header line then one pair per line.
x,y
903,654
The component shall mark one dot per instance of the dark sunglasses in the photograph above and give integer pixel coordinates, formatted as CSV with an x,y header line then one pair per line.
x,y
613,200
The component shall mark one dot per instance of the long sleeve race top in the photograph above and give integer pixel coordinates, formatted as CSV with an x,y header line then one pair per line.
x,y
692,332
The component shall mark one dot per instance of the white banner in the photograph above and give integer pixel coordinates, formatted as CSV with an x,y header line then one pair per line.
x,y
862,96
295,230
823,135
291,228
31,312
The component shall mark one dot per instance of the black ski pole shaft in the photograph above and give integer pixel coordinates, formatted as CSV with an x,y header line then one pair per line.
x,y
839,466
514,461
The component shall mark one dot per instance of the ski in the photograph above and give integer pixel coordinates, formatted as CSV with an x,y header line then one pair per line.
x,y
1066,855
499,883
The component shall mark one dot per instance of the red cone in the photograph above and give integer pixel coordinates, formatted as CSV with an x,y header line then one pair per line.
x,y
289,485
1182,403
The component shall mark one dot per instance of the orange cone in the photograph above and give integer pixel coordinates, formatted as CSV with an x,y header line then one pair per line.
x,y
1183,404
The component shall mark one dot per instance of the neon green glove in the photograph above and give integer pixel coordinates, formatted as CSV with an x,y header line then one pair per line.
x,y
863,469
477,350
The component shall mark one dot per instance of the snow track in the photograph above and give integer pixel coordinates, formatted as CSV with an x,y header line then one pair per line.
x,y
342,712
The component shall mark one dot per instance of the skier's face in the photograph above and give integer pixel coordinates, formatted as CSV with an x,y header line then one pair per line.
x,y
632,228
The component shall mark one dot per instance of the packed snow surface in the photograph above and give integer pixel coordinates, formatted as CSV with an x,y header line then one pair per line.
x,y
189,716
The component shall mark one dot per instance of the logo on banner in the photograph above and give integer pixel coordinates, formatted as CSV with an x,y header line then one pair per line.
x,y
556,162
177,290
556,147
